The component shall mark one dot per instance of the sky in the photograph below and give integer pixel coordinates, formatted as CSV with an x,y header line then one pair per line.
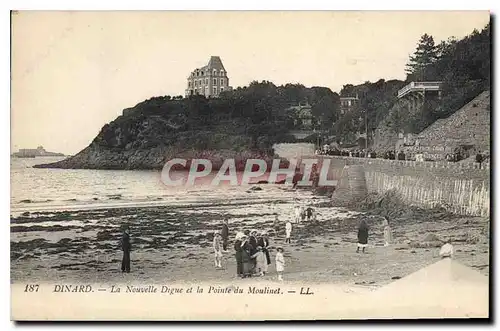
x,y
73,72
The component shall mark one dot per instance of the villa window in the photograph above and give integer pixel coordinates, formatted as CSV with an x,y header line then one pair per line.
x,y
215,90
215,81
189,84
222,72
215,72
222,81
221,89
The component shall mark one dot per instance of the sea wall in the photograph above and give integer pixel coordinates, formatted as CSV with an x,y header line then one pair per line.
x,y
460,188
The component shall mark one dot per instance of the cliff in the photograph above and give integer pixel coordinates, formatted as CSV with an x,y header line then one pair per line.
x,y
148,142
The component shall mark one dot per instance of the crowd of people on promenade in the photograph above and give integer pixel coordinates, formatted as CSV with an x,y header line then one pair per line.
x,y
365,153
456,156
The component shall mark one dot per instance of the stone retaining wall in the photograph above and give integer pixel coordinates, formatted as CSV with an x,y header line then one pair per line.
x,y
460,188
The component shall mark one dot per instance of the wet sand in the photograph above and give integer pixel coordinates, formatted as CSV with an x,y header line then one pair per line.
x,y
174,243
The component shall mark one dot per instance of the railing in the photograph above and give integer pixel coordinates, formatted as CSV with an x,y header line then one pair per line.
x,y
432,86
485,167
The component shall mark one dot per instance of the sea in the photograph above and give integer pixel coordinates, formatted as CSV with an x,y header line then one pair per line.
x,y
42,189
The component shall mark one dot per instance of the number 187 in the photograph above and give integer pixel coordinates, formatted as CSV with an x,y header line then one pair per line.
x,y
31,288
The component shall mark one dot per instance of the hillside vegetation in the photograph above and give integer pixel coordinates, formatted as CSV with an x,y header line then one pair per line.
x,y
241,124
247,121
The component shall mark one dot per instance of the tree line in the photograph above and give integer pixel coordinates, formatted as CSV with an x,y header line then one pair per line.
x,y
262,110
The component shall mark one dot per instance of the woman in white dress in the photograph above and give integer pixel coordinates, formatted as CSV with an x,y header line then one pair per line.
x,y
387,233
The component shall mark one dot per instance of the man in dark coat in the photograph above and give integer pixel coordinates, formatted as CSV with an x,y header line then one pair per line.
x,y
239,255
225,234
126,247
362,236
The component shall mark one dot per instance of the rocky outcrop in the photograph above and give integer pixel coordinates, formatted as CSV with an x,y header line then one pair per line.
x,y
147,141
94,157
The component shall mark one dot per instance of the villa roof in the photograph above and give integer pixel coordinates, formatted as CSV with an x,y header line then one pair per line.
x,y
214,63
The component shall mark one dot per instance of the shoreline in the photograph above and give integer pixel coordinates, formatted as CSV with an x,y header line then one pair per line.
x,y
174,243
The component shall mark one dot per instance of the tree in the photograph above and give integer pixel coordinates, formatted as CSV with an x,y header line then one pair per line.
x,y
425,55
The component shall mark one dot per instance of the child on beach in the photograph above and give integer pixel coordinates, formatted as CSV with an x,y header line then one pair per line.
x,y
280,263
288,232
260,261
217,250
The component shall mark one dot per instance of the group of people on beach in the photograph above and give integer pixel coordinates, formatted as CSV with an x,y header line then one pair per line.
x,y
252,248
252,251
363,235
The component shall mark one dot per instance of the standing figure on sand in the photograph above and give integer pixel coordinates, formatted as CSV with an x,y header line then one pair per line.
x,y
280,263
362,236
276,225
260,262
126,247
310,214
252,241
225,233
298,213
288,232
238,247
387,232
246,257
218,250
264,243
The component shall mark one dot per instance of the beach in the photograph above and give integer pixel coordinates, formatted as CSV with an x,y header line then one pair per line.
x,y
173,243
